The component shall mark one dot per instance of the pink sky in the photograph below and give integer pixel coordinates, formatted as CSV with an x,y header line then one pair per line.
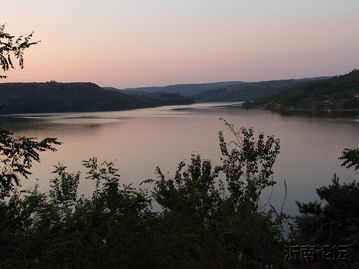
x,y
142,43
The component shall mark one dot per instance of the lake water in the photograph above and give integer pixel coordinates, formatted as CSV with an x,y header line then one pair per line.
x,y
139,140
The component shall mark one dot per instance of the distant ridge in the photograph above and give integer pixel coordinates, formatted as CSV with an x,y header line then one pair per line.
x,y
183,89
86,96
250,91
75,97
340,93
221,91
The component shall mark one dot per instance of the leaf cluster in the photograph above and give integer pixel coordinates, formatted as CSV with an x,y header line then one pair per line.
x,y
17,155
11,46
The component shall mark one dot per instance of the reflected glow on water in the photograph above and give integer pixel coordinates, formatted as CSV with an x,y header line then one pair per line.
x,y
139,140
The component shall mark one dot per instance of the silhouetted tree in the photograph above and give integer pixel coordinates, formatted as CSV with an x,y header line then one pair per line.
x,y
335,220
11,46
221,205
17,153
350,158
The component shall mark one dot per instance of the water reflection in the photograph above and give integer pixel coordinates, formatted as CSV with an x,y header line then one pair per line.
x,y
139,140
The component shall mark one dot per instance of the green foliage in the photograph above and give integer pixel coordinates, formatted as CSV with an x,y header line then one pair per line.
x,y
350,158
248,165
209,218
63,187
223,203
12,47
336,221
17,155
60,230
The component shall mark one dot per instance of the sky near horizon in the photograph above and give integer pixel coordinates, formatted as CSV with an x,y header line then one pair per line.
x,y
131,43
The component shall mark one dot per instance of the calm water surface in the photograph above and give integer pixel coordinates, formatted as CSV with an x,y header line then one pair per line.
x,y
139,140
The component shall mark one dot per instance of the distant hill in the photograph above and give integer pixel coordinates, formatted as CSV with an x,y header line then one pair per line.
x,y
315,93
336,93
183,89
250,91
76,97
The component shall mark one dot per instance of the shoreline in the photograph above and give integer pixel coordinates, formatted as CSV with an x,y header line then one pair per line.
x,y
280,108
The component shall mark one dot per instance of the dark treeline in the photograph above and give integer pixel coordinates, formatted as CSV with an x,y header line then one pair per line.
x,y
223,91
183,89
337,93
76,97
248,91
86,97
210,217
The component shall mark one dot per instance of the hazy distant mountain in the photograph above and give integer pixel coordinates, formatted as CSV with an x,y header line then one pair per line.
x,y
76,97
221,91
183,89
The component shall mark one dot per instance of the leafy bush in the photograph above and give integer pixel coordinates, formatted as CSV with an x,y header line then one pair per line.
x,y
210,217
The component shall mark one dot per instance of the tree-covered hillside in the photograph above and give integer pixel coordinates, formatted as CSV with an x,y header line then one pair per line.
x,y
183,89
336,93
247,91
75,97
